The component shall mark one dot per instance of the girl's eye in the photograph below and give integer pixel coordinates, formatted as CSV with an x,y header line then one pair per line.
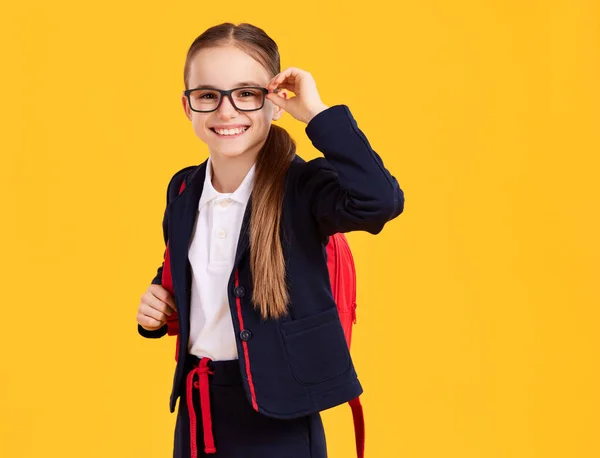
x,y
245,93
207,96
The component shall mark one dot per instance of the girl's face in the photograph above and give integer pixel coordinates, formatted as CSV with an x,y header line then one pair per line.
x,y
228,67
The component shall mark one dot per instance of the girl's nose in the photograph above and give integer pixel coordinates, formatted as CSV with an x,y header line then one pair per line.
x,y
226,110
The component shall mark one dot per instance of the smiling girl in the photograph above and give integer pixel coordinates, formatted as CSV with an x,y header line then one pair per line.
x,y
261,349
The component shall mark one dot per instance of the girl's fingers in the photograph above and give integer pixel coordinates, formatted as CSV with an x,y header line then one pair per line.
x,y
302,85
291,73
155,311
274,83
277,100
277,79
161,293
156,303
151,316
149,322
289,87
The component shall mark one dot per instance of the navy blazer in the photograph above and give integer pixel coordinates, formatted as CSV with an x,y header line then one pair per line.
x,y
298,364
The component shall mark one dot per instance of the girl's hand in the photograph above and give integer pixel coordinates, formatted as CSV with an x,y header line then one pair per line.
x,y
156,304
306,104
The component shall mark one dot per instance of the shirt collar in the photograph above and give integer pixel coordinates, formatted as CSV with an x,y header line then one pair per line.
x,y
241,194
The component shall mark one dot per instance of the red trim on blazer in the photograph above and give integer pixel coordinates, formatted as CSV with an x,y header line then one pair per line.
x,y
238,302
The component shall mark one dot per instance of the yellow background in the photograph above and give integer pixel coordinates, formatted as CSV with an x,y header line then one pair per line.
x,y
477,307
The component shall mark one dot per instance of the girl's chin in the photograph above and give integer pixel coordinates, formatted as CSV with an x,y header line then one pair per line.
x,y
227,154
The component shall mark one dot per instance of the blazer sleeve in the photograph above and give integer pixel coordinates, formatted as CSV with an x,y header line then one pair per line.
x,y
172,192
349,189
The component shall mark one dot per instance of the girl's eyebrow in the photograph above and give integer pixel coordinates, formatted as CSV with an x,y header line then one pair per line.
x,y
240,84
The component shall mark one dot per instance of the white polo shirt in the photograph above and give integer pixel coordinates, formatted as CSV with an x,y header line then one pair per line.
x,y
211,255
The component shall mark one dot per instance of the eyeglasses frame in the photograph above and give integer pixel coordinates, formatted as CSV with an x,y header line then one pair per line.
x,y
224,94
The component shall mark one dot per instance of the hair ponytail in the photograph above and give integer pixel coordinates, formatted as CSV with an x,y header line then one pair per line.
x,y
266,252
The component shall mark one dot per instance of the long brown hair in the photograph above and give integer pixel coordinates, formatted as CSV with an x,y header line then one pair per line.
x,y
267,263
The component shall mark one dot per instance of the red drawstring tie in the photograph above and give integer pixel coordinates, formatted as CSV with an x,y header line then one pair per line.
x,y
209,443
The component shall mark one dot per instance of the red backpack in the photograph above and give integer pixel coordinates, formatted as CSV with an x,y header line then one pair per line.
x,y
342,275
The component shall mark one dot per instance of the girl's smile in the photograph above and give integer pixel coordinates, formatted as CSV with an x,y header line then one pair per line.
x,y
230,131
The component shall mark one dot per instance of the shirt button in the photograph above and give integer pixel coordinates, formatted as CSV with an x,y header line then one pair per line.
x,y
245,335
221,234
239,291
224,203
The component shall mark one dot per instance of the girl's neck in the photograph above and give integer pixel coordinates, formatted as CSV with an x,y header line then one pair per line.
x,y
228,173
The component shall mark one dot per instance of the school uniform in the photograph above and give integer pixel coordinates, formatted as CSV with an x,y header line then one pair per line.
x,y
292,368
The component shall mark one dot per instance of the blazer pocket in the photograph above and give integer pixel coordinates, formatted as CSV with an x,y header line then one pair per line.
x,y
316,347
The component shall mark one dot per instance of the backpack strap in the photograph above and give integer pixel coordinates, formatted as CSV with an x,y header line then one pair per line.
x,y
359,426
342,275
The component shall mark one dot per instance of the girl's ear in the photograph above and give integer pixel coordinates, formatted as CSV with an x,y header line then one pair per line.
x,y
186,109
278,111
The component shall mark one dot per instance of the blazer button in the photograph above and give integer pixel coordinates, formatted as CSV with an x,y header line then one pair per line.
x,y
245,335
239,291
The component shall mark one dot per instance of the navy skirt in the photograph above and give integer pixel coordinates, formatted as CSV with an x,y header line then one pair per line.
x,y
220,422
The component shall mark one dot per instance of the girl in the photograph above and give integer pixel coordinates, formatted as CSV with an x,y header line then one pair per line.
x,y
262,350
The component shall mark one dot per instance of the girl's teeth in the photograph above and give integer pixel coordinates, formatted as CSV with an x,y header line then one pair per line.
x,y
230,131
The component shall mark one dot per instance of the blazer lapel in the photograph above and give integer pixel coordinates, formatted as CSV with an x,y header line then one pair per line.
x,y
182,213
244,241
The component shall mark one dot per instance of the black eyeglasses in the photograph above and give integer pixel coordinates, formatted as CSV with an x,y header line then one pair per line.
x,y
247,98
